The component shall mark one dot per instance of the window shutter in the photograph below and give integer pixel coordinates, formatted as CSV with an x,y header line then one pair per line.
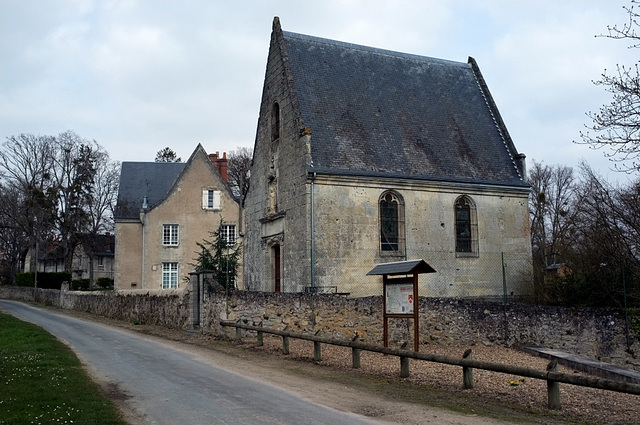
x,y
205,198
216,199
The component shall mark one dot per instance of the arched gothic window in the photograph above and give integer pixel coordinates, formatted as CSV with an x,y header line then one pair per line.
x,y
275,121
391,223
466,226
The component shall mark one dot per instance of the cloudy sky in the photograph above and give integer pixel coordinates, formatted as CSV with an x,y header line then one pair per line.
x,y
137,76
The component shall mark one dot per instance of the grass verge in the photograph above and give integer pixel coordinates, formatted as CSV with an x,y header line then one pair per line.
x,y
43,382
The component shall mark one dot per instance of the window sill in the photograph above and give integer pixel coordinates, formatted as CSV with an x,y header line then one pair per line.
x,y
391,254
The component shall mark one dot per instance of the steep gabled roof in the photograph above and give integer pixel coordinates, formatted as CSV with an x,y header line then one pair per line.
x,y
382,113
155,180
138,180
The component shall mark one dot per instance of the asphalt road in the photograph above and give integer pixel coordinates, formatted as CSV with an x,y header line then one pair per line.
x,y
169,386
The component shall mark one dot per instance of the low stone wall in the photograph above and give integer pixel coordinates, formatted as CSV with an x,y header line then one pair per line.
x,y
169,309
598,334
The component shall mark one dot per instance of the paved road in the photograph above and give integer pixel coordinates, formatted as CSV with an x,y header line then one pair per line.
x,y
170,386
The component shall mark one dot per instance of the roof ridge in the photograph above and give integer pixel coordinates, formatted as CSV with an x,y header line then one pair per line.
x,y
376,50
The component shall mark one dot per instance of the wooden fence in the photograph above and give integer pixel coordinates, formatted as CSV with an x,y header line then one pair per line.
x,y
551,375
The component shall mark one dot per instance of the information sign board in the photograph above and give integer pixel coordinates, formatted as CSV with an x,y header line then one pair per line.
x,y
399,298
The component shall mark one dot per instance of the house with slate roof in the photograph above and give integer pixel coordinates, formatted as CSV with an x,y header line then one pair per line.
x,y
364,156
163,210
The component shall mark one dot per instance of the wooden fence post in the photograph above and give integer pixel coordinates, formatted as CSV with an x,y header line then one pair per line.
x,y
260,336
238,333
467,372
317,351
404,367
285,344
355,358
553,387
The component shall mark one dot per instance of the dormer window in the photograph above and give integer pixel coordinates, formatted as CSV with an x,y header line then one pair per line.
x,y
275,121
210,199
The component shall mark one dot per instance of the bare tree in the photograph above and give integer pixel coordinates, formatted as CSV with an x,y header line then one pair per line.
x,y
74,173
608,242
56,184
239,170
26,164
616,126
100,209
13,238
167,155
553,212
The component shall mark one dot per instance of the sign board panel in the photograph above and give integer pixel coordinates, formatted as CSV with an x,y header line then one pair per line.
x,y
399,298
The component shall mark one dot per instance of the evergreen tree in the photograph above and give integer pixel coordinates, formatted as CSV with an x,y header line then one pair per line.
x,y
220,258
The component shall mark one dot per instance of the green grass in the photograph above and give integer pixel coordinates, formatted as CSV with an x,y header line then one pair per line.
x,y
43,382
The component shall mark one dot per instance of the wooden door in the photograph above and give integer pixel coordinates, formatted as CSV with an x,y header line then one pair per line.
x,y
276,269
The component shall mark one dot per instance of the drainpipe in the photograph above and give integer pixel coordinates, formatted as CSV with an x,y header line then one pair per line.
x,y
143,215
312,224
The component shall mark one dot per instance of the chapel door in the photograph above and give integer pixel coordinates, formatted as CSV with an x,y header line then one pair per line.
x,y
276,269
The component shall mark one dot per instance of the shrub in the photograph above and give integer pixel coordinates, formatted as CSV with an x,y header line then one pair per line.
x,y
104,282
80,285
46,280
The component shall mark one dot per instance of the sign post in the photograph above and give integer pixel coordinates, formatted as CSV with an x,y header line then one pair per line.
x,y
400,294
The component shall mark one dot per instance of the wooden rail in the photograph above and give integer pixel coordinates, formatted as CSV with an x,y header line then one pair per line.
x,y
551,375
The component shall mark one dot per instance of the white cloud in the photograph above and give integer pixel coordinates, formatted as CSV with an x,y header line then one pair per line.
x,y
141,75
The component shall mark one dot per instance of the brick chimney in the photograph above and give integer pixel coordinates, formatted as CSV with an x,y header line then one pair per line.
x,y
220,163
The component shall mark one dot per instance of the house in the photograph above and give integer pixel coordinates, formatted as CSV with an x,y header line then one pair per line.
x,y
91,257
50,258
364,156
97,253
163,210
94,258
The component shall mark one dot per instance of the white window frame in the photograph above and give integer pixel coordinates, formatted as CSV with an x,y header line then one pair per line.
x,y
170,235
211,199
169,275
228,233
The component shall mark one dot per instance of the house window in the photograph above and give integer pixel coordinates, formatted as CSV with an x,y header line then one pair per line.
x,y
170,234
466,225
100,263
210,199
228,233
391,222
169,275
275,122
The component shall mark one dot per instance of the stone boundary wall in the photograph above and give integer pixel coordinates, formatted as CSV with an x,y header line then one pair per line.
x,y
598,334
167,308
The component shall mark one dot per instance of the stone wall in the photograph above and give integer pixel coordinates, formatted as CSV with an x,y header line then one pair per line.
x,y
163,308
598,334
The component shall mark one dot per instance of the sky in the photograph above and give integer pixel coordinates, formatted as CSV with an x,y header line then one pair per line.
x,y
138,76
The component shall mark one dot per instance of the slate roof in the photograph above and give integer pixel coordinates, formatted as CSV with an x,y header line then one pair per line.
x,y
382,113
140,179
401,267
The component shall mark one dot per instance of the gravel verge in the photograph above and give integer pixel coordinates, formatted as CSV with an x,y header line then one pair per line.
x,y
579,404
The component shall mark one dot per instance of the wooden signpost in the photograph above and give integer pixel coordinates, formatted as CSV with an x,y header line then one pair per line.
x,y
400,293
